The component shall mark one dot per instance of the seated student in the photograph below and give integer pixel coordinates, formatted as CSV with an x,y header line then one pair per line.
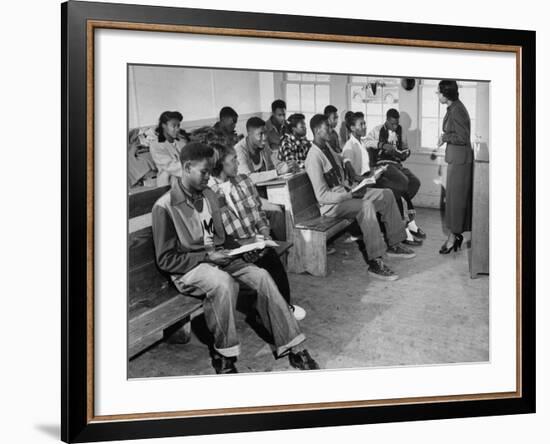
x,y
243,217
390,147
222,132
166,150
255,155
357,161
294,144
331,112
275,126
326,172
189,238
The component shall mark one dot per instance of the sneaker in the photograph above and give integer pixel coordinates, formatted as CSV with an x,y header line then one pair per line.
x,y
302,360
379,270
331,250
399,250
413,242
299,312
223,365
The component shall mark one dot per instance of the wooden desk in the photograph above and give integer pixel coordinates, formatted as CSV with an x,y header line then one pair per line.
x,y
479,255
277,192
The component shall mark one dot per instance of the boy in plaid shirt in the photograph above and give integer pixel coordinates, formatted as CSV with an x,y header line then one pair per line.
x,y
243,217
294,145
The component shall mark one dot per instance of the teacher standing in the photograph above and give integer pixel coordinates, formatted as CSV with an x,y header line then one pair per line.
x,y
459,157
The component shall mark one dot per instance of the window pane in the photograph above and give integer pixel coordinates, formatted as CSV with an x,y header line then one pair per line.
x,y
323,77
430,132
308,98
308,77
322,97
293,76
293,96
359,79
468,97
430,102
357,98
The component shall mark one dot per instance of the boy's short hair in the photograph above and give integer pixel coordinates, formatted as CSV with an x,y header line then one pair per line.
x,y
330,109
227,111
392,113
316,121
278,104
254,122
195,152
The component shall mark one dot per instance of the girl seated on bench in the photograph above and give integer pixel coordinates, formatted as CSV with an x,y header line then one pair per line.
x,y
243,217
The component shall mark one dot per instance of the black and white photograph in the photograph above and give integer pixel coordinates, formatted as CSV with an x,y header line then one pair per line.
x,y
305,221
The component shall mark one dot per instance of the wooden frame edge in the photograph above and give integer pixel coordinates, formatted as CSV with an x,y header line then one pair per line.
x,y
97,24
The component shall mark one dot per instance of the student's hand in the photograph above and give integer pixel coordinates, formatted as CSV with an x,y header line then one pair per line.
x,y
358,178
388,147
252,256
440,140
293,166
219,257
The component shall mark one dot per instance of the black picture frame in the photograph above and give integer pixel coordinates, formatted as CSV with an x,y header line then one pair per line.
x,y
77,424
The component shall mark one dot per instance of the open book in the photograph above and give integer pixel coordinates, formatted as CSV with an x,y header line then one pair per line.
x,y
259,245
371,180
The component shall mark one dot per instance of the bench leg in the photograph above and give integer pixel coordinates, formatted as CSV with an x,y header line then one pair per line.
x,y
179,333
309,253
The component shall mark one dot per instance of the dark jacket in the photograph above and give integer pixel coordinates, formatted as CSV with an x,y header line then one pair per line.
x,y
456,133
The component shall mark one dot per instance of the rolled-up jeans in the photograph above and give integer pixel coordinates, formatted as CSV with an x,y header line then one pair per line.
x,y
220,286
364,211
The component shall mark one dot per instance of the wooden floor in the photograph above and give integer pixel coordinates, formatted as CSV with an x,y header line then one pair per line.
x,y
434,314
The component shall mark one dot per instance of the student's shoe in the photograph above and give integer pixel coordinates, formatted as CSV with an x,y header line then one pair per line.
x,y
302,360
379,270
298,312
330,250
411,240
418,233
223,365
400,251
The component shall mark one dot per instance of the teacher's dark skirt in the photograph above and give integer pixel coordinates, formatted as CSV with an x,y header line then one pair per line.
x,y
458,198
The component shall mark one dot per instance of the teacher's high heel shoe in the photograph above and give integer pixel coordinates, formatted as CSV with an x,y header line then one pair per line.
x,y
446,250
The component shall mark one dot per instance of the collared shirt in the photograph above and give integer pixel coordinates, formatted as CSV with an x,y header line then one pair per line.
x,y
247,166
181,232
293,148
241,208
355,152
274,134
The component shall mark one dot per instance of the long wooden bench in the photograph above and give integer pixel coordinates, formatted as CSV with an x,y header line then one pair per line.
x,y
155,308
311,230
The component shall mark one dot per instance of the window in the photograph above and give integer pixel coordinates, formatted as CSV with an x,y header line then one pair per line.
x,y
373,96
307,94
432,112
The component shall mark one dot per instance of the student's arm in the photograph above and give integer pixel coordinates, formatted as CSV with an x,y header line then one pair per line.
x,y
323,194
260,219
170,256
242,158
164,160
371,140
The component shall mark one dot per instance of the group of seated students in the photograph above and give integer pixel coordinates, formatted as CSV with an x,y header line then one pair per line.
x,y
213,206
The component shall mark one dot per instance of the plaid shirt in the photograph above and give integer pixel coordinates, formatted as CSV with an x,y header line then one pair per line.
x,y
245,218
293,148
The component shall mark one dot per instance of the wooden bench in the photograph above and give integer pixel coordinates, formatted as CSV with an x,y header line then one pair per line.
x,y
306,228
155,308
311,229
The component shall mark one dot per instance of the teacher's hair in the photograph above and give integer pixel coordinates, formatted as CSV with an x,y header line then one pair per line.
x,y
449,89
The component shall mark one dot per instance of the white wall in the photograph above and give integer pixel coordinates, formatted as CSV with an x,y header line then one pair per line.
x,y
197,93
